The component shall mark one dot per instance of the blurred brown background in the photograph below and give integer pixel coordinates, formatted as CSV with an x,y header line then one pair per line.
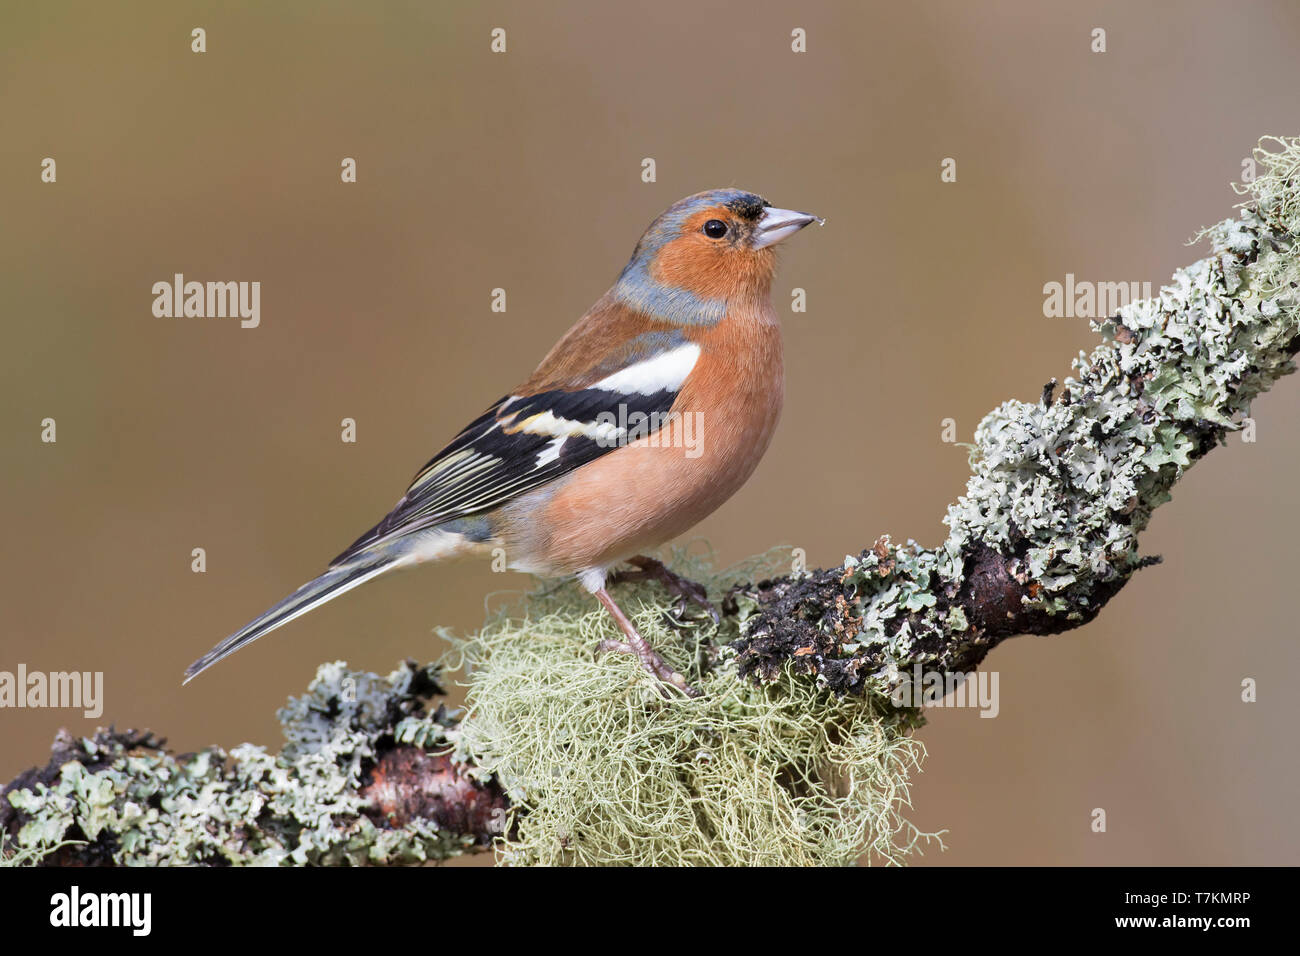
x,y
522,171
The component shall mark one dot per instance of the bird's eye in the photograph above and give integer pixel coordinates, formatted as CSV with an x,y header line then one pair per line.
x,y
715,228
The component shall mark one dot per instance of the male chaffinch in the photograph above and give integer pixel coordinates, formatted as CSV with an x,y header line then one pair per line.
x,y
645,417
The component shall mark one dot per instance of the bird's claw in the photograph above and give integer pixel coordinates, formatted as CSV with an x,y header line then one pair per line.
x,y
687,592
651,662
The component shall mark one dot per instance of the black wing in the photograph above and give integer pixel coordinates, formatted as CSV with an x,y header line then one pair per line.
x,y
515,446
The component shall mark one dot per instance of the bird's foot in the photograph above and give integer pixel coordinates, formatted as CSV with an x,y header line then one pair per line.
x,y
653,663
687,592
641,649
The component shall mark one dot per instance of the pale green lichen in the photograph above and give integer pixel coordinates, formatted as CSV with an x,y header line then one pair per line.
x,y
599,767
1062,489
32,854
602,769
136,804
1079,478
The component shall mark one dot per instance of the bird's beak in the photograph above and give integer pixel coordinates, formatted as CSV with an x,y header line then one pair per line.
x,y
776,224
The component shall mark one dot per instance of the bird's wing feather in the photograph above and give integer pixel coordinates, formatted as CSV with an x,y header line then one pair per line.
x,y
524,441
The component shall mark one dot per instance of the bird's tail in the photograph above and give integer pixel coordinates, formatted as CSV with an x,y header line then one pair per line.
x,y
337,580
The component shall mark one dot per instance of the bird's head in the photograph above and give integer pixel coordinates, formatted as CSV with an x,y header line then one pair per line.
x,y
704,251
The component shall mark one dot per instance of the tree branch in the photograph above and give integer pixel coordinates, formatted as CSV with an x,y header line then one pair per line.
x,y
1047,531
355,783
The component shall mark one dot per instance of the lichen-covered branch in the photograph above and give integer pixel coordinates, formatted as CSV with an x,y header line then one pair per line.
x,y
355,783
570,756
1047,531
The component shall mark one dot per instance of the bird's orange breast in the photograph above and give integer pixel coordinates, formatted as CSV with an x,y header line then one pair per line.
x,y
637,497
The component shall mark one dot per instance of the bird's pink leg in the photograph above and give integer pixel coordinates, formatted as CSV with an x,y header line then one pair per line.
x,y
638,645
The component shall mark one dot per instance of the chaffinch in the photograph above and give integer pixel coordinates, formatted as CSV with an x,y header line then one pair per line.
x,y
645,417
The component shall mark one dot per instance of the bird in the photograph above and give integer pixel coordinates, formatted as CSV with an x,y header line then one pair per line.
x,y
648,414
